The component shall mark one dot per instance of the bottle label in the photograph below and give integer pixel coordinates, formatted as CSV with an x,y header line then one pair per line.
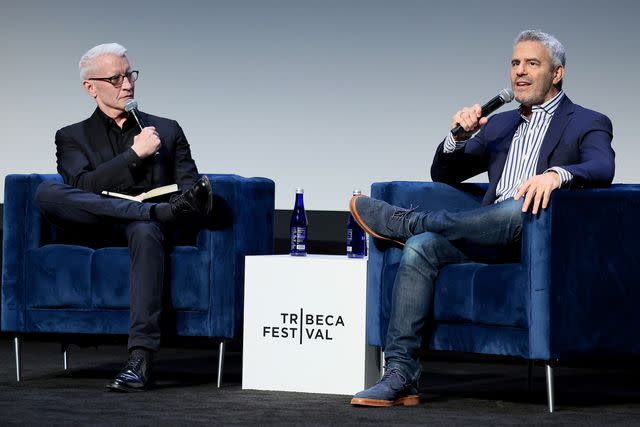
x,y
356,241
298,239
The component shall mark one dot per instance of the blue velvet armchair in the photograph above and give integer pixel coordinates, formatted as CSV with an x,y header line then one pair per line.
x,y
49,287
574,291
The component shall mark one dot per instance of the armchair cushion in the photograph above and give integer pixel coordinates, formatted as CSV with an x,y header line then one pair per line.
x,y
58,276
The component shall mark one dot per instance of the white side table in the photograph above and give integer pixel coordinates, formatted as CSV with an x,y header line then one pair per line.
x,y
304,325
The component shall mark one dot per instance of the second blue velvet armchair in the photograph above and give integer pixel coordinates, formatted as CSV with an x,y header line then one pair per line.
x,y
573,292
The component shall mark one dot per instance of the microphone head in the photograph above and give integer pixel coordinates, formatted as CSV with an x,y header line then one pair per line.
x,y
506,94
130,105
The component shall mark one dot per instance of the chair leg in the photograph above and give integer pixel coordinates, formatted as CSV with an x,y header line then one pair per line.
x,y
220,362
65,356
381,361
550,396
530,376
17,349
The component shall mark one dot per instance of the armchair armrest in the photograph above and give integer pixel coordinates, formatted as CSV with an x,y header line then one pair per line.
x,y
429,195
583,255
22,231
243,225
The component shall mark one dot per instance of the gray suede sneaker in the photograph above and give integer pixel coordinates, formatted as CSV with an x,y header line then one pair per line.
x,y
382,220
393,389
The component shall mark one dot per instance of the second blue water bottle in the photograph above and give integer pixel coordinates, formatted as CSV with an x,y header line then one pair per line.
x,y
298,226
356,237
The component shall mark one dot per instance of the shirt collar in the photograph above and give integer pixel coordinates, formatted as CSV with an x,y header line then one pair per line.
x,y
548,107
110,123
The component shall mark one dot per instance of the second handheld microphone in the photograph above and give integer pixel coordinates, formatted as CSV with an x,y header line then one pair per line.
x,y
503,97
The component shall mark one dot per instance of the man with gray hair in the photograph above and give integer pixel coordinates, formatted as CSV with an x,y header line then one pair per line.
x,y
547,143
110,152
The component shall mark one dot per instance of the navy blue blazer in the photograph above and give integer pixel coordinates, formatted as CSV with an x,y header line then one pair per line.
x,y
87,160
578,140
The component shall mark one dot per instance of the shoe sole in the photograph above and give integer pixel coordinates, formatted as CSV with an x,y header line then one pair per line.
x,y
365,227
123,389
411,400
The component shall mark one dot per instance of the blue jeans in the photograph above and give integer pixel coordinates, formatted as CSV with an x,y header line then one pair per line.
x,y
424,254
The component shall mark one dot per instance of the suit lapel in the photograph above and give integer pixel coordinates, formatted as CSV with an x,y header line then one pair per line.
x,y
560,120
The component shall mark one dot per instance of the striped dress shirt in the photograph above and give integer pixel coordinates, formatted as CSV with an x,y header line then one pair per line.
x,y
524,151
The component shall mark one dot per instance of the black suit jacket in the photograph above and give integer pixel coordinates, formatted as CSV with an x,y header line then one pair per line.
x,y
87,160
578,140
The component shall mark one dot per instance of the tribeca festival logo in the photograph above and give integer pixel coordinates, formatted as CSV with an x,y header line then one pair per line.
x,y
304,326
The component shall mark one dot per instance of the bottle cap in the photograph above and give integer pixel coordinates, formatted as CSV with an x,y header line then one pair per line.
x,y
299,190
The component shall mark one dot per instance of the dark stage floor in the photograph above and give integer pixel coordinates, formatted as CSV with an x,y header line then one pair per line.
x,y
456,390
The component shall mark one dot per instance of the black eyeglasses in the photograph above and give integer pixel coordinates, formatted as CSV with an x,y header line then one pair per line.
x,y
118,79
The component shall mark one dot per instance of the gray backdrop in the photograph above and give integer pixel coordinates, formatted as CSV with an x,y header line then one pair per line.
x,y
330,95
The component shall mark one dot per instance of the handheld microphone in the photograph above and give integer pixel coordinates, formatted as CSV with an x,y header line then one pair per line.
x,y
131,106
503,97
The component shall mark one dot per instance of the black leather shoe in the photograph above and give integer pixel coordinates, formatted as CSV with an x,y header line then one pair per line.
x,y
136,374
197,200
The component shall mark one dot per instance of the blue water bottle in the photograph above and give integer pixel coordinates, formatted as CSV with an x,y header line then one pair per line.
x,y
298,226
356,237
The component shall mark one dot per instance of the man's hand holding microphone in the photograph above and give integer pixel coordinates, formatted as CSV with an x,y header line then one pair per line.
x,y
147,142
469,119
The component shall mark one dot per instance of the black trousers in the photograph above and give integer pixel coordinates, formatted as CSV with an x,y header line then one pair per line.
x,y
72,209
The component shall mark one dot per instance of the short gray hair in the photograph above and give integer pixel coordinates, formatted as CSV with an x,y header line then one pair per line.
x,y
553,45
87,62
